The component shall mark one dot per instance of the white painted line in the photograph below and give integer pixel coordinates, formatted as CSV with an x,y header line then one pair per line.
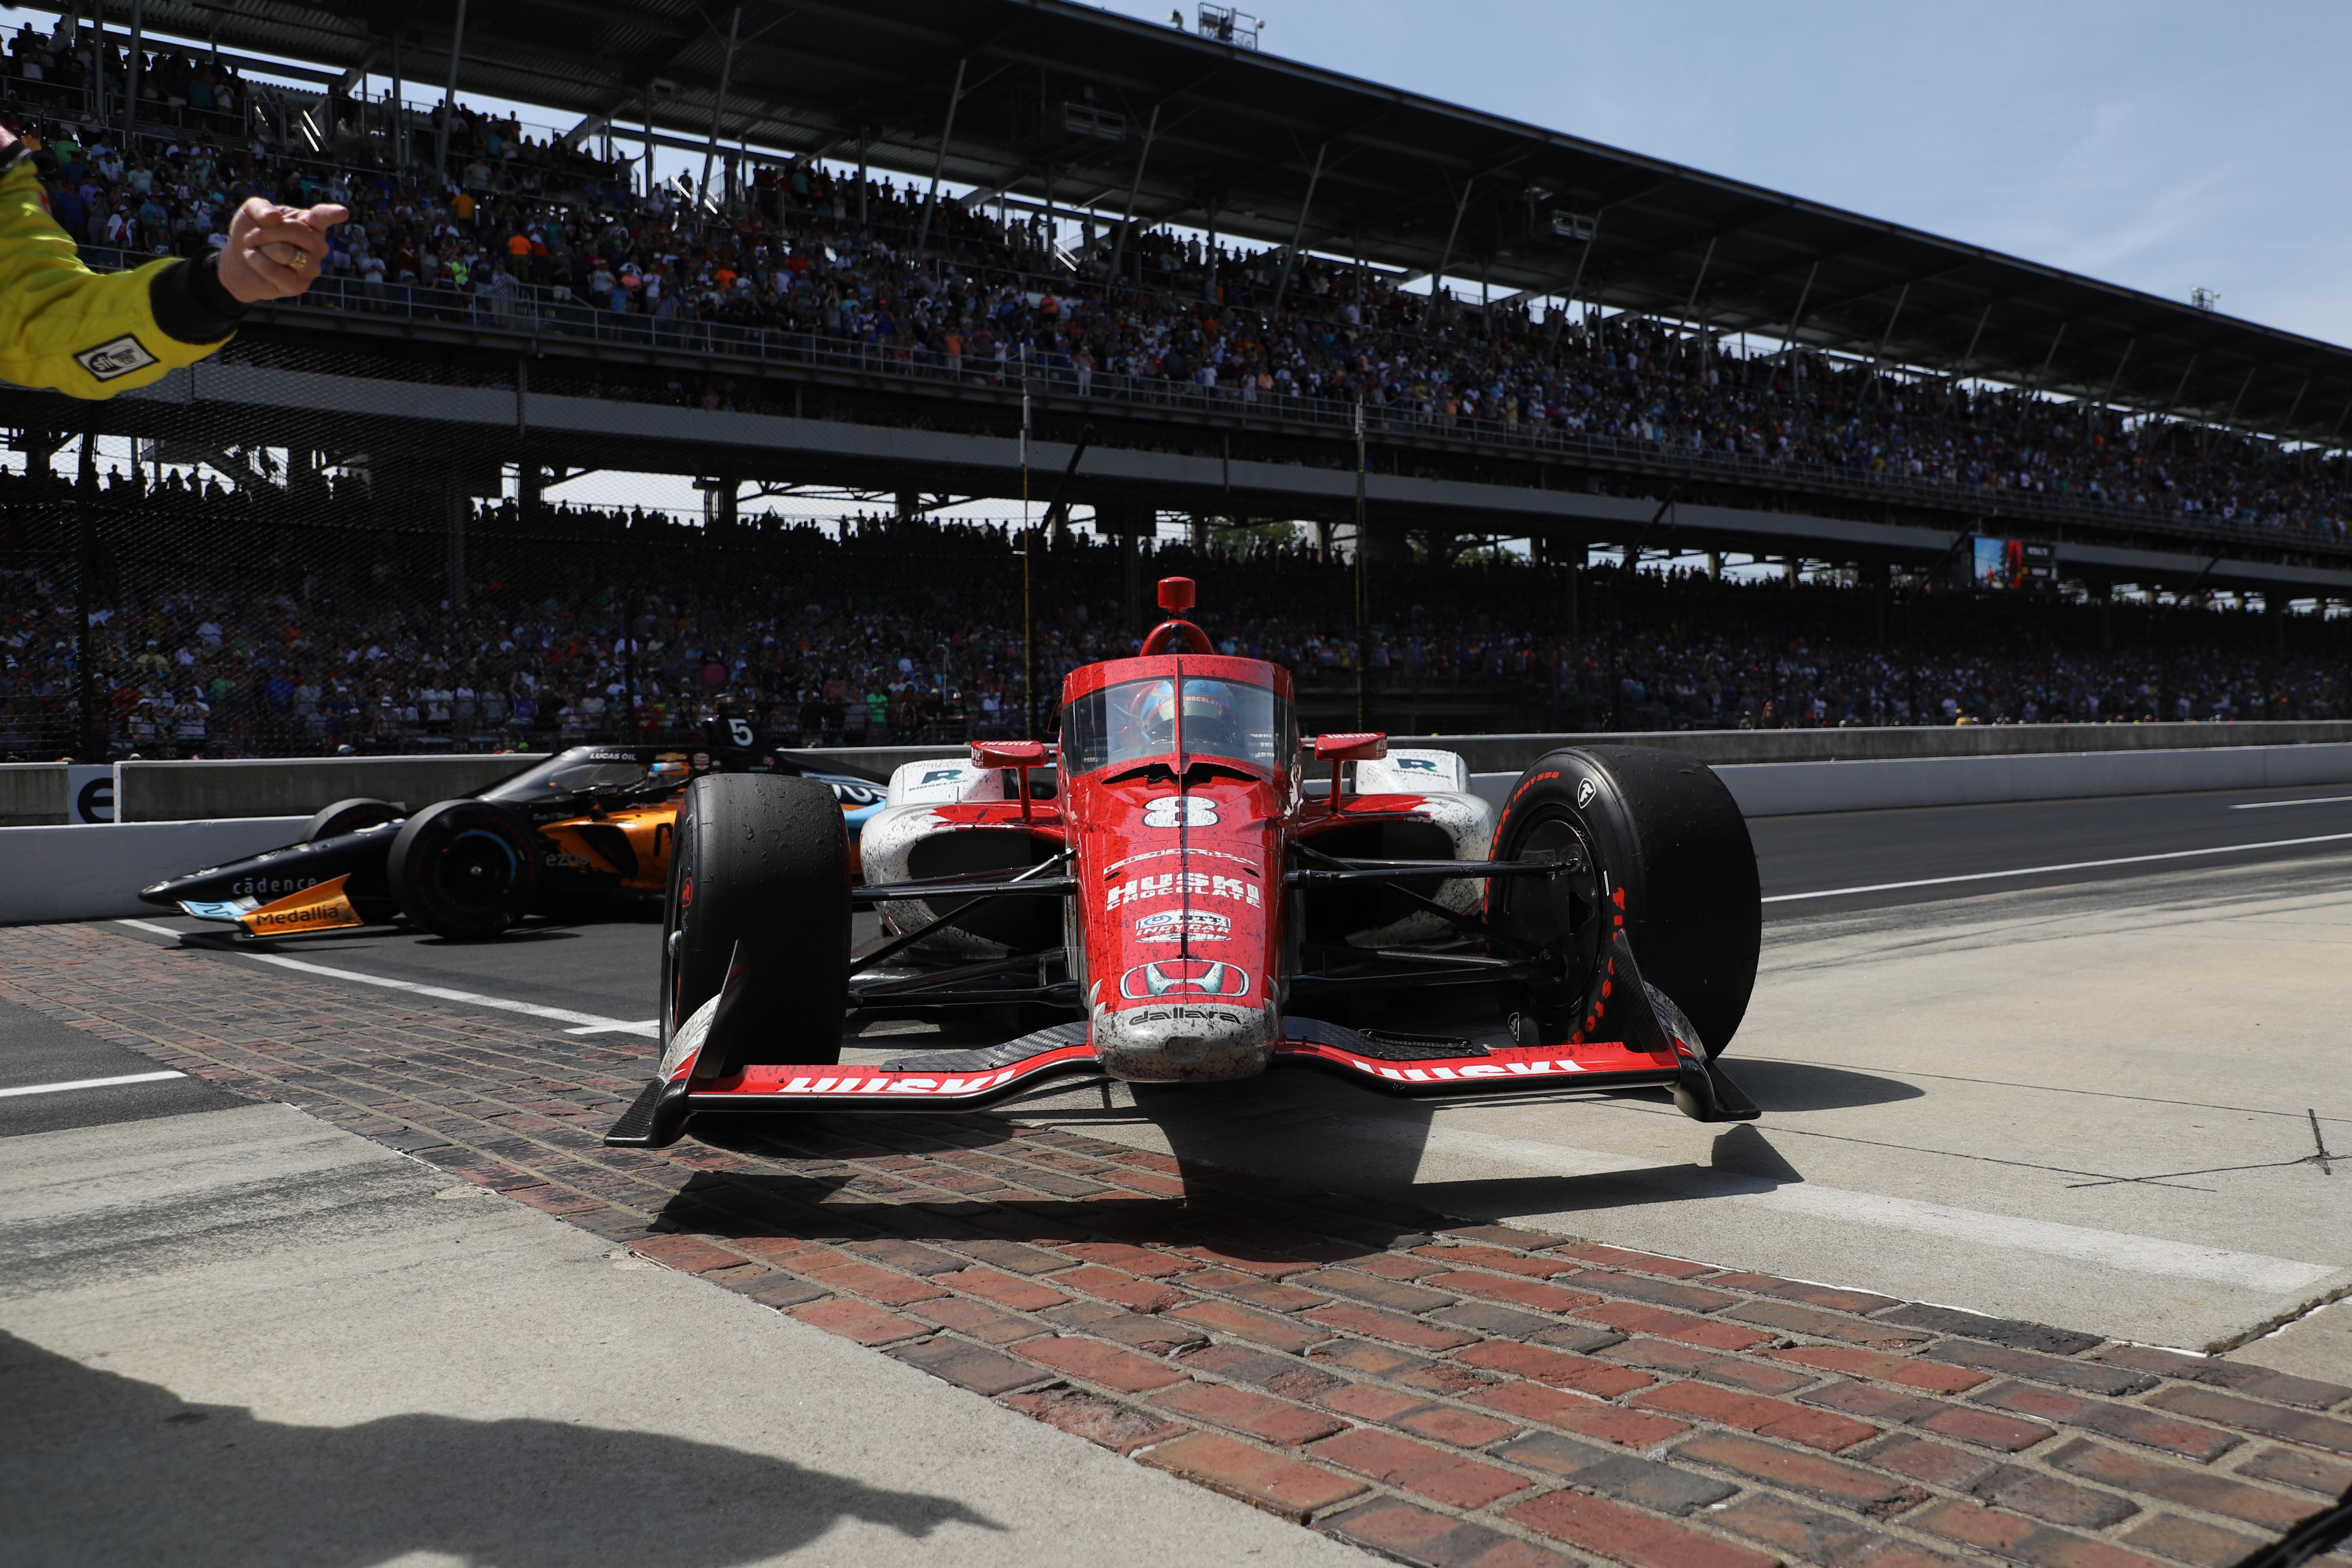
x,y
2268,805
650,1028
89,1083
2069,866
2112,1249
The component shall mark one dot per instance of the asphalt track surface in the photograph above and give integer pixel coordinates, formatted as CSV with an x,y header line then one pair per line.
x,y
610,970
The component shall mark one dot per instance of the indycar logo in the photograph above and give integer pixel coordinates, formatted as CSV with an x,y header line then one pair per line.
x,y
1175,925
1180,811
1183,977
1168,883
1584,794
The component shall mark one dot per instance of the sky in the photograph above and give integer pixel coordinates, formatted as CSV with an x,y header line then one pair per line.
x,y
2155,144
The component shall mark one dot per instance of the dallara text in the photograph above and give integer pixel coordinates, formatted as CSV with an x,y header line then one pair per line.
x,y
1187,902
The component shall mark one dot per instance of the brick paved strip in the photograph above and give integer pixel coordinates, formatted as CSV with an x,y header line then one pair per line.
x,y
1415,1535
2251,1415
1627,1536
1348,1359
1291,1488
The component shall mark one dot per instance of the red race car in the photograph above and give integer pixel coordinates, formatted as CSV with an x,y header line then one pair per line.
x,y
1173,894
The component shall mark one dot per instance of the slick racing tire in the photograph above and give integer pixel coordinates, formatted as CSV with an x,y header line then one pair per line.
x,y
464,869
350,816
760,861
1656,839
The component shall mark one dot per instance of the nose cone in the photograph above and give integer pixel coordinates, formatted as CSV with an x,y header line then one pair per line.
x,y
1179,1039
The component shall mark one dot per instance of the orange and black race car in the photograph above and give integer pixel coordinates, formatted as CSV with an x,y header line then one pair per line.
x,y
587,826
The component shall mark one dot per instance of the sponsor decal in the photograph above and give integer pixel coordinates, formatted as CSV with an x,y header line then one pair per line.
x,y
119,358
1584,794
686,892
1180,811
321,907
270,886
1169,884
1415,765
1184,976
1113,869
1175,925
1225,1015
939,775
566,859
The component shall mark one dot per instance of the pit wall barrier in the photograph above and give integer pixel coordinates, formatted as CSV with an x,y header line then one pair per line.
x,y
56,872
91,873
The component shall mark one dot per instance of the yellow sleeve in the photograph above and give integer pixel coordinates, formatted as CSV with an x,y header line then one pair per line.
x,y
77,332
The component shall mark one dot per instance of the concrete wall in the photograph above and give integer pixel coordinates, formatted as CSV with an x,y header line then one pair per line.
x,y
94,873
179,792
1789,789
1500,753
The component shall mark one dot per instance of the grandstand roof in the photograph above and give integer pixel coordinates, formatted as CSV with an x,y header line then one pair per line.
x,y
1060,101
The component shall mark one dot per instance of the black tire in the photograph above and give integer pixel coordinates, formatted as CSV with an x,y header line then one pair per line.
x,y
350,816
464,870
759,859
1657,829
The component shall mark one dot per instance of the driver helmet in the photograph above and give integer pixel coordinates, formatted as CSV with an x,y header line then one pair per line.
x,y
1213,718
668,768
701,761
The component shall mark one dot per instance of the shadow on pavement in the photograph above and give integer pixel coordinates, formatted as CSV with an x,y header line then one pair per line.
x,y
97,1468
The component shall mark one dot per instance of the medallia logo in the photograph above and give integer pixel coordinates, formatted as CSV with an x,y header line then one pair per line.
x,y
1183,977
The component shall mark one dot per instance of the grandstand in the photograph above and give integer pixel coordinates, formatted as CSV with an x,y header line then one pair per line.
x,y
1222,273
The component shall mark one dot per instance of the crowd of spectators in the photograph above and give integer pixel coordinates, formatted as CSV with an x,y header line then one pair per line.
x,y
517,223
279,640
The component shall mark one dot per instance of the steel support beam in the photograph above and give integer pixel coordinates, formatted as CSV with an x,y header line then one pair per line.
x,y
940,164
719,104
1290,252
449,95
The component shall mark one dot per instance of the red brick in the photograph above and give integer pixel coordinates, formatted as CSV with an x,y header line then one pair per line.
x,y
1109,1365
1656,1292
1463,1428
1806,1534
984,1323
1442,1478
1110,1285
1396,1265
2309,1471
1373,1290
1793,1317
1829,1296
1665,1355
686,1253
1369,1401
2178,1484
1226,1318
1396,1529
1870,1403
1288,1487
1643,1263
2088,1376
1005,1290
1503,1236
1610,1529
2008,1536
1558,1368
853,1320
892,1289
2239,1377
968,1365
1275,1420
1131,1259
1397,1329
1864,1491
1517,1291
1636,1319
1269,1294
1495,1258
2189,1542
1249,1260
1984,1428
1767,1417
1934,1463
1854,1362
2127,1422
2049,1500
2251,1415
1571,1413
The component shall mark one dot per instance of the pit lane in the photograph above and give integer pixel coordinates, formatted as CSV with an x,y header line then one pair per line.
x,y
2090,1098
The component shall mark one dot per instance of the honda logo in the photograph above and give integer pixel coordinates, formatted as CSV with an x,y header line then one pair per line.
x,y
1183,977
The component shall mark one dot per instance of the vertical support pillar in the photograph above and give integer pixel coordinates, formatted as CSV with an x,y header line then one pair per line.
x,y
909,506
449,97
395,139
938,164
89,743
718,104
136,65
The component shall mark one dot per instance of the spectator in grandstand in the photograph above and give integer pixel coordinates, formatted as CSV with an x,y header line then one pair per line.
x,y
64,327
